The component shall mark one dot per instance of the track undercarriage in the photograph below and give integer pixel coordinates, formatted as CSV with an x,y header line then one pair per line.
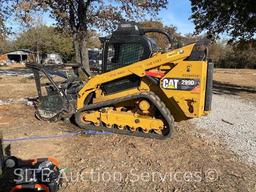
x,y
142,114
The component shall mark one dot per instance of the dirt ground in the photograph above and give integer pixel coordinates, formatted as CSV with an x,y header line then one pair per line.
x,y
241,82
17,87
240,77
185,162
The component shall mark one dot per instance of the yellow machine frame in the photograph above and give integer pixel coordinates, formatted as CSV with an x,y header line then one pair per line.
x,y
183,104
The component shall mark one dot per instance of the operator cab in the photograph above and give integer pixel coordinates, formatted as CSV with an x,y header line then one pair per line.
x,y
127,45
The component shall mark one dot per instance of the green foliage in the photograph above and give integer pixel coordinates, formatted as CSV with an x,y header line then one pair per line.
x,y
235,17
49,40
46,40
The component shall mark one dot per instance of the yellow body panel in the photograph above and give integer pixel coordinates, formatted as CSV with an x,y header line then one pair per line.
x,y
172,64
194,98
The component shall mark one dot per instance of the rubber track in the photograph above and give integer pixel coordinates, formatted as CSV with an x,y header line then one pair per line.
x,y
164,111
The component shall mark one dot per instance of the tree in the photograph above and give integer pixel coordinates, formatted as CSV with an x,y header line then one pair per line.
x,y
5,45
161,40
76,16
44,39
237,18
217,51
190,38
178,40
232,56
4,13
93,40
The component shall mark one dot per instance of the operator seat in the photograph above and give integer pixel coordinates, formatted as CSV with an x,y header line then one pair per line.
x,y
127,45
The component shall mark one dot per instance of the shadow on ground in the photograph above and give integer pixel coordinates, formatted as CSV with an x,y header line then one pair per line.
x,y
226,88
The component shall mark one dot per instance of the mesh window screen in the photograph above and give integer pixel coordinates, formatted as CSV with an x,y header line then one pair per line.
x,y
120,55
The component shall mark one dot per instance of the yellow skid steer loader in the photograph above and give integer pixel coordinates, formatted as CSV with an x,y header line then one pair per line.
x,y
140,91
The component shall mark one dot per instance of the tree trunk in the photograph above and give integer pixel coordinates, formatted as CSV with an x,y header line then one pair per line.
x,y
81,51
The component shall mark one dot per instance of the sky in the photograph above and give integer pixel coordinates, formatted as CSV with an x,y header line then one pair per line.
x,y
177,13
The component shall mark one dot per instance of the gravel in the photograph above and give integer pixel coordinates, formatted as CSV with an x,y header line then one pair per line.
x,y
232,120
